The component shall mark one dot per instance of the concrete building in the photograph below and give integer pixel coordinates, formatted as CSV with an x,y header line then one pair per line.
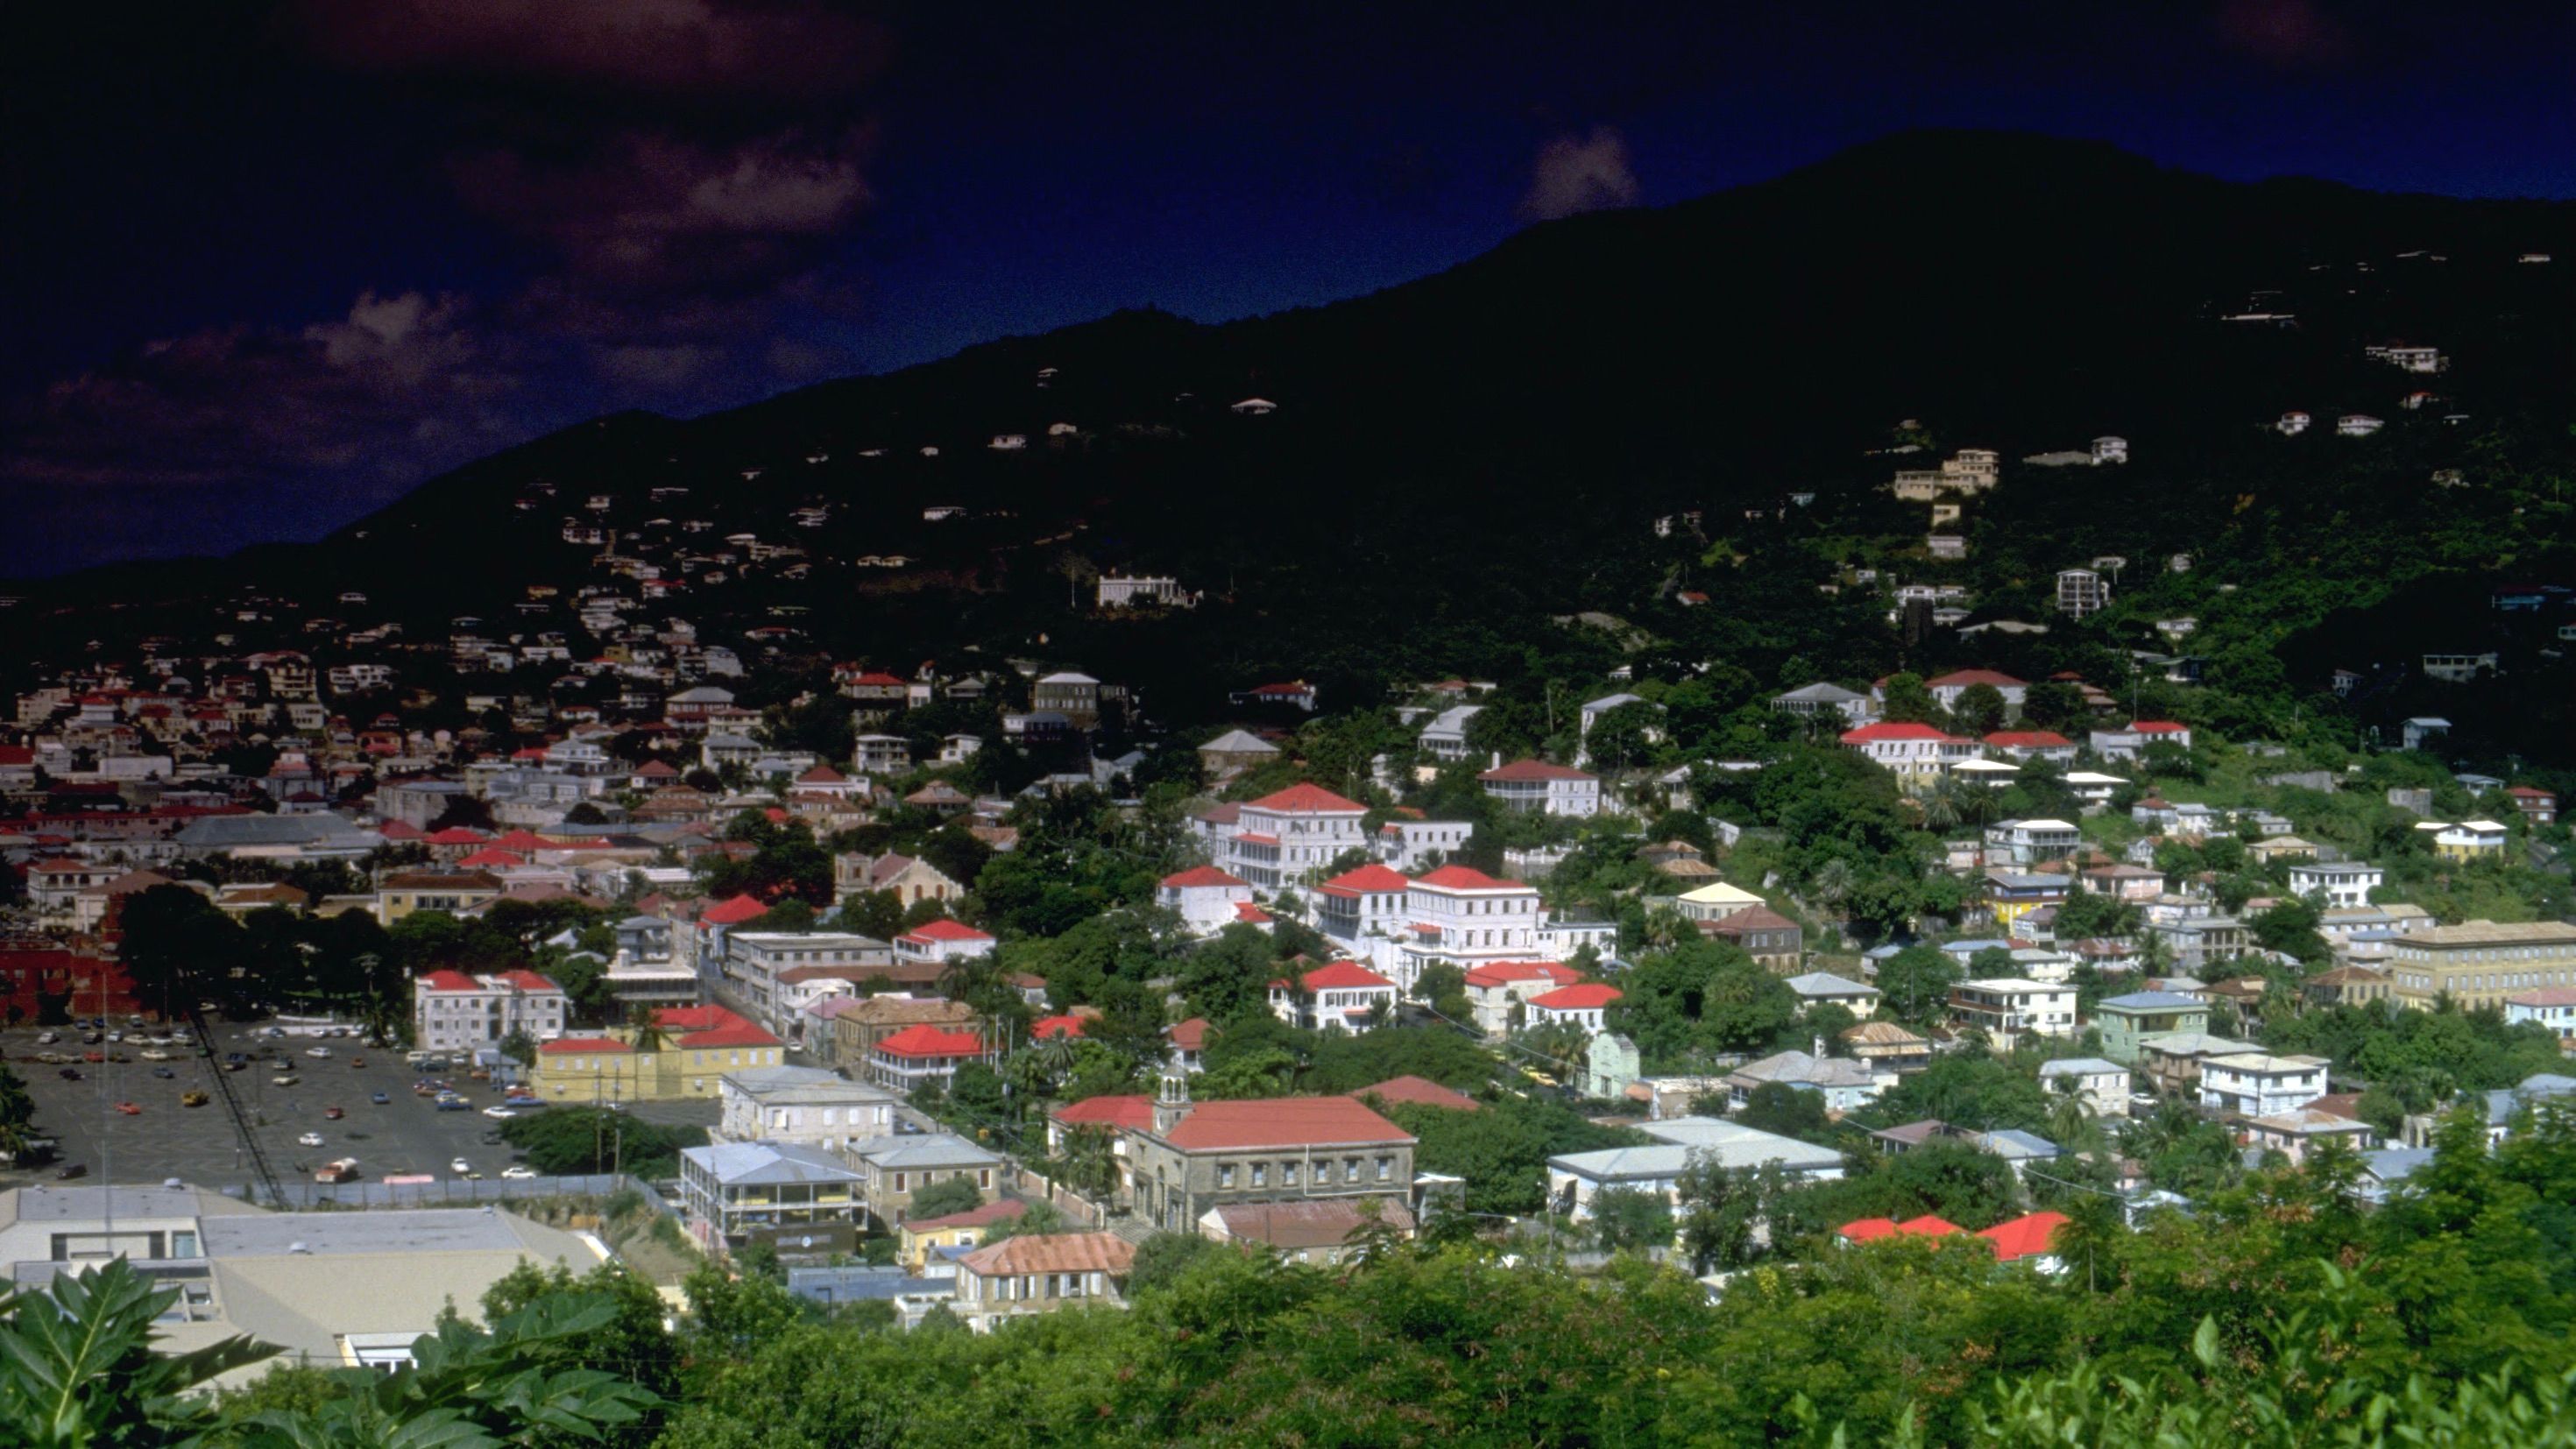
x,y
893,1168
2008,1008
2103,1086
2338,884
735,1192
2259,1084
454,1012
801,1107
2481,963
1021,1276
1535,785
2126,1022
1199,1156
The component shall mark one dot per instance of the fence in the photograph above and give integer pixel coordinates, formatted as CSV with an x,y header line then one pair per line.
x,y
458,1192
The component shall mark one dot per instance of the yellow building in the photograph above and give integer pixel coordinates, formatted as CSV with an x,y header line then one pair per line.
x,y
700,1044
2480,963
2467,841
957,1230
403,892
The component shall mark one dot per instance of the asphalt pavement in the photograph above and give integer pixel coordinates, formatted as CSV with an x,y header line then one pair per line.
x,y
404,1136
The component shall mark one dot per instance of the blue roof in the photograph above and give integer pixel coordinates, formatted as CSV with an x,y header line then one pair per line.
x,y
2152,1001
2013,1142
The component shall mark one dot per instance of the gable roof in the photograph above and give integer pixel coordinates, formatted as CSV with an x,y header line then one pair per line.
x,y
1305,798
1205,875
1891,730
944,929
929,1041
1579,997
1345,975
1281,1122
1466,878
1132,1110
1419,1092
2023,1237
734,912
1534,770
1051,1253
1371,878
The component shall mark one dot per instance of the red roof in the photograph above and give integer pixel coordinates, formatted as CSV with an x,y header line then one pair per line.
x,y
2028,739
1869,1230
879,678
1190,1035
822,775
490,859
1891,730
734,912
1047,1027
2024,1237
451,981
1534,770
1205,875
399,830
563,1044
2527,792
1370,879
1504,973
1578,998
657,770
1128,1110
1309,799
1341,975
455,835
1250,914
1467,878
1419,1092
1281,1122
1965,677
527,980
2157,727
930,1041
944,929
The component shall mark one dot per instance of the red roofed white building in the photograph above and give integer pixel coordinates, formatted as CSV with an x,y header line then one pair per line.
x,y
1906,748
1275,840
1361,909
1495,988
823,780
1536,785
2130,743
1339,997
1199,1156
2030,1239
942,941
454,1012
1116,1115
1204,898
1579,1005
2029,745
1462,916
918,1055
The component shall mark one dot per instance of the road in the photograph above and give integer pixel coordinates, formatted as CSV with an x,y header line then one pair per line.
x,y
199,1145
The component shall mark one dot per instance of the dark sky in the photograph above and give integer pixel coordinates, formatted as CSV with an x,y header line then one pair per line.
x,y
263,266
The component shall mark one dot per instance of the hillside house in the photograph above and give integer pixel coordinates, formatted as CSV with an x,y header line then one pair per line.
x,y
2132,742
2009,1008
1342,996
1535,785
2081,592
1826,700
2259,1084
1206,899
1917,751
1276,840
2102,1086
2341,883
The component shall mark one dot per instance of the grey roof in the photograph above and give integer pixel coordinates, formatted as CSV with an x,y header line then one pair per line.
x,y
2080,1067
2546,1084
2151,1001
2012,1142
50,1204
1795,1068
2195,1044
913,1150
1668,1160
844,1284
1826,983
2395,1164
1240,742
232,832
1823,694
808,1085
742,1163
322,1234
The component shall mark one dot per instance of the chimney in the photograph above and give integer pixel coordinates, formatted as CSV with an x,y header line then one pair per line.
x,y
1820,1045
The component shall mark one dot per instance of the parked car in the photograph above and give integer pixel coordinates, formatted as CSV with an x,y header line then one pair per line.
x,y
129,1109
282,1080
460,1167
317,1052
192,1099
153,1054
333,1113
48,1038
518,1172
500,1113
72,1170
164,1073
309,1139
69,1074
378,1098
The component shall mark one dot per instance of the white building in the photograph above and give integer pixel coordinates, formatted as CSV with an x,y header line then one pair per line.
x,y
1499,992
1573,1180
942,941
1466,918
1580,1005
1207,899
2459,668
2357,425
1275,840
1341,996
2130,743
2008,1008
1364,912
755,960
2109,449
1909,749
1537,785
1445,738
2031,842
2259,1084
801,1107
2551,1006
1129,592
2081,592
454,1012
1414,844
2103,1086
2337,883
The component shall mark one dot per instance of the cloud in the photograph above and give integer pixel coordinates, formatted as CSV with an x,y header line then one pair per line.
x,y
2292,33
1587,173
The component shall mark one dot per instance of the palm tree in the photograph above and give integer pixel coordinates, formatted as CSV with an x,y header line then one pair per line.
x,y
1832,885
1941,804
647,1026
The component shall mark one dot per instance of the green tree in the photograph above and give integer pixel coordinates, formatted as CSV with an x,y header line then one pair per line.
x,y
946,1196
1628,1219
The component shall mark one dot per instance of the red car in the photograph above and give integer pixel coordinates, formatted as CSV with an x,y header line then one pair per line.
x,y
334,1113
129,1109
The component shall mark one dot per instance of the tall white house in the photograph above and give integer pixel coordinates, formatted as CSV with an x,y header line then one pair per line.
x,y
1275,840
454,1012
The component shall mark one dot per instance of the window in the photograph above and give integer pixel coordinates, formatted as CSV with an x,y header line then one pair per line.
x,y
984,1177
899,1179
1225,1175
1287,1174
1261,1174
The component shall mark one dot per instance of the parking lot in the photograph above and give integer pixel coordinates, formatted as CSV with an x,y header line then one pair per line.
x,y
403,1136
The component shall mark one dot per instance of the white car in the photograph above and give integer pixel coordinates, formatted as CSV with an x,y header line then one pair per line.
x,y
503,1114
518,1172
48,1038
460,1167
309,1139
317,1051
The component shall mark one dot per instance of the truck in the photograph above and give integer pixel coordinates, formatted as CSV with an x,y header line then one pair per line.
x,y
343,1170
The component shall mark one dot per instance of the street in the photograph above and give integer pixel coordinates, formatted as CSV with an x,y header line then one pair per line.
x,y
404,1136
